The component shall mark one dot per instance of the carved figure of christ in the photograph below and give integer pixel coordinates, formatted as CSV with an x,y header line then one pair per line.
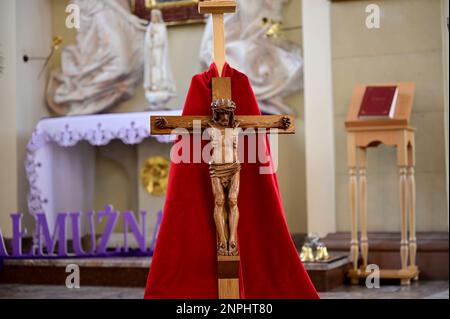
x,y
224,128
224,171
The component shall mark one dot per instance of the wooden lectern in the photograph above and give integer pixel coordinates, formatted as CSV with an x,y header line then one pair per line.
x,y
396,132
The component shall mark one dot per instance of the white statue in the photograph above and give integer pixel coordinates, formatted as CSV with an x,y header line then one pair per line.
x,y
105,65
274,66
158,79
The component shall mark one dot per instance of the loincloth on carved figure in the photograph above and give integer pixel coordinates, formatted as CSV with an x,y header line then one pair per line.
x,y
224,171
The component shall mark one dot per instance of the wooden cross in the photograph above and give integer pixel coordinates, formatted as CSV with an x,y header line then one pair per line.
x,y
228,265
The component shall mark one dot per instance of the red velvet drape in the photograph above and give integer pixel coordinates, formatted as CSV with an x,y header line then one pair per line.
x,y
184,264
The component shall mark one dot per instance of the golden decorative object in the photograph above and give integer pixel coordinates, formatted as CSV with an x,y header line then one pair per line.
x,y
307,254
322,253
273,28
155,175
56,42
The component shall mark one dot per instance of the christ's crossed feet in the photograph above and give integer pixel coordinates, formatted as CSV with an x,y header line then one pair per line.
x,y
233,250
222,249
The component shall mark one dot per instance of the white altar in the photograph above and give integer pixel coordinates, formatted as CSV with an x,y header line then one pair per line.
x,y
60,161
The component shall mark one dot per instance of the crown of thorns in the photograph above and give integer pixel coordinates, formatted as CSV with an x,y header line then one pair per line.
x,y
223,105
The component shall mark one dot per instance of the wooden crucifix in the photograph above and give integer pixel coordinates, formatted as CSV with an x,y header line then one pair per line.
x,y
224,165
224,127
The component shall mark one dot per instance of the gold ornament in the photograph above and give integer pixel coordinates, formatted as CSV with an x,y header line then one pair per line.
x,y
56,42
322,253
273,28
307,254
155,175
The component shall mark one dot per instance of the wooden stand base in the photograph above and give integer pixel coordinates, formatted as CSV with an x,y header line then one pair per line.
x,y
404,275
228,274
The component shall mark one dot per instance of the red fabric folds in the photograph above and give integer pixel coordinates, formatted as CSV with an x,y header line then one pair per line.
x,y
184,264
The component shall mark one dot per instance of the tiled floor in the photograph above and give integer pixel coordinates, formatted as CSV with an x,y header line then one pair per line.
x,y
421,290
417,290
61,292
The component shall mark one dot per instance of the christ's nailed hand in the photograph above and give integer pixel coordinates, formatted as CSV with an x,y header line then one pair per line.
x,y
285,123
161,122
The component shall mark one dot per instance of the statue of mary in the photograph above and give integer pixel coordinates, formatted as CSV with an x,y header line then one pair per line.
x,y
158,79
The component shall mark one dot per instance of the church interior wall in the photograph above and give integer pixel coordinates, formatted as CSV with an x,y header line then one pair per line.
x,y
8,153
22,102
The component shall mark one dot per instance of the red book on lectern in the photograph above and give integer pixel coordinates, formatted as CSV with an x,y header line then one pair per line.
x,y
379,102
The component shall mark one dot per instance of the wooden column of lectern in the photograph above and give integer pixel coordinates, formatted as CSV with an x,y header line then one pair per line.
x,y
395,132
227,266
